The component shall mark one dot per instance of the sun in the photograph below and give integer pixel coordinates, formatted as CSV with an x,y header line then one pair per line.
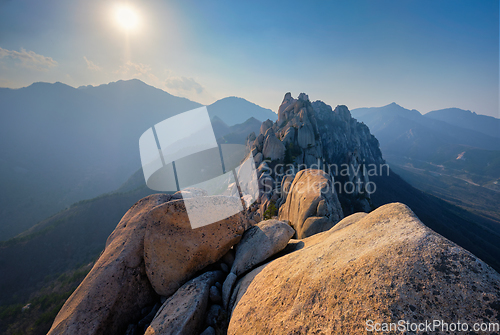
x,y
127,18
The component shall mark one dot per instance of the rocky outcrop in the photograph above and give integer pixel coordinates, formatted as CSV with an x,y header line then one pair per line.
x,y
286,183
174,252
184,312
273,148
265,126
341,134
288,101
311,205
305,136
384,266
312,135
117,288
258,244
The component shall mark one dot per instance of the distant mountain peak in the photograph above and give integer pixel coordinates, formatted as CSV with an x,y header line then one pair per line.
x,y
46,84
395,105
216,119
127,82
232,97
485,124
252,119
235,110
121,83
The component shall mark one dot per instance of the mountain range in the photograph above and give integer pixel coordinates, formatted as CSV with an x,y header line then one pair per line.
x,y
56,247
451,153
60,145
469,120
401,130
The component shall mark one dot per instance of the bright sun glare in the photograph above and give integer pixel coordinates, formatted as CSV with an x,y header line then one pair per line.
x,y
126,17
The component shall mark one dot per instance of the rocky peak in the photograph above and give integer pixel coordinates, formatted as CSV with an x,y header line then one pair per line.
x,y
303,97
343,112
287,101
265,126
288,97
312,135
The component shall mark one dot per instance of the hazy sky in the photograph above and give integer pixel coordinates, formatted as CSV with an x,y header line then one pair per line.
x,y
423,54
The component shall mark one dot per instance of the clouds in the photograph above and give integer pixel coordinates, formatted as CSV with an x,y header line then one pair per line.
x,y
28,59
186,87
16,66
184,84
135,69
130,70
91,65
178,84
165,79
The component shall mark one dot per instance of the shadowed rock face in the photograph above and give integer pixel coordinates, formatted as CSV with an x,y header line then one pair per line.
x,y
384,266
117,288
184,312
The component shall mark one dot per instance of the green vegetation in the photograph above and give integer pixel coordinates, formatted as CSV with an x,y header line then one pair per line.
x,y
43,307
291,152
43,252
30,234
270,211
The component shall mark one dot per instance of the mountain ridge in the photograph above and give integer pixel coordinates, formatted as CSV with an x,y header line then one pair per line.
x,y
486,124
466,162
82,229
61,144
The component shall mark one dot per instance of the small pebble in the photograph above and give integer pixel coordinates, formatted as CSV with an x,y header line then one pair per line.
x,y
215,295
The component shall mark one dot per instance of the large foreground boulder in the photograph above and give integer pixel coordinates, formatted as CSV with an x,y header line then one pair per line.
x,y
174,252
311,206
117,288
370,268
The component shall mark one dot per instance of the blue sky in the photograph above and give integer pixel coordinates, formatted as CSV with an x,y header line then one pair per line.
x,y
423,54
